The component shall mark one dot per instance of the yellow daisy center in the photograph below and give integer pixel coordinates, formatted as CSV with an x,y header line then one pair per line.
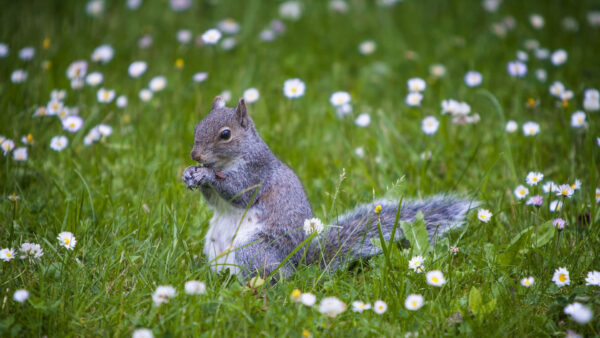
x,y
562,277
522,192
8,254
564,191
434,279
106,94
66,240
414,303
296,293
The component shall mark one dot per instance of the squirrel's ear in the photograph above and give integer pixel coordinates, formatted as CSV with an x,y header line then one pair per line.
x,y
218,102
242,113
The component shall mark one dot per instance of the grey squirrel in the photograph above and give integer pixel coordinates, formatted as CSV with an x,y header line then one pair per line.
x,y
260,205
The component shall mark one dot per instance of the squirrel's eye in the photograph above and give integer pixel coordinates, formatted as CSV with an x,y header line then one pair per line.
x,y
225,134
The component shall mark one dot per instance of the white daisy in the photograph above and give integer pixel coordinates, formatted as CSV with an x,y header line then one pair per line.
x,y
413,302
473,78
211,36
7,254
105,95
516,69
162,294
521,192
72,123
435,278
158,83
367,47
143,332
184,36
31,251
363,120
557,88
137,68
379,307
313,225
94,79
291,10
561,277
4,50
20,154
18,76
200,77
251,95
77,70
359,152
531,128
533,178
332,306
484,215
228,26
359,306
414,99
437,70
21,296
565,190
194,287
555,205
58,143
27,53
122,101
340,98
430,125
308,299
549,187
536,21
541,75
7,146
597,195
145,95
578,119
527,282
558,57
579,312
293,88
416,84
415,263
103,54
67,240
593,278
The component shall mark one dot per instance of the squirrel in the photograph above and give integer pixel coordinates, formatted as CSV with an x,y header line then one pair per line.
x,y
260,205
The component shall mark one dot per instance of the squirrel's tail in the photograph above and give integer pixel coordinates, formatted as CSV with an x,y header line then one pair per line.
x,y
351,237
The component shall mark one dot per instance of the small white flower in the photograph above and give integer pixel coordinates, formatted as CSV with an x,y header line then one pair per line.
x,y
416,84
541,75
435,278
228,26
27,53
21,296
561,277
579,312
527,282
379,307
566,95
416,262
104,130
522,55
200,77
194,287
591,104
122,101
4,50
359,152
537,21
58,143
332,306
7,254
549,186
293,88
313,225
95,7
291,10
137,68
363,120
338,99
162,294
18,76
437,70
359,306
555,205
591,94
597,195
367,47
77,70
105,95
77,83
267,35
565,190
94,79
531,128
158,83
211,36
511,126
145,95
473,79
558,57
93,136
251,95
20,154
557,88
516,69
578,119
72,123
228,43
430,125
7,146
484,215
593,278
414,99
308,299
533,178
142,333
521,192
103,54
67,240
413,302
31,251
184,36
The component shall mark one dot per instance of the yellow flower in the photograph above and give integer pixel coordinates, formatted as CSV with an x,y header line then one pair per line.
x,y
46,43
565,103
378,209
179,63
306,333
296,295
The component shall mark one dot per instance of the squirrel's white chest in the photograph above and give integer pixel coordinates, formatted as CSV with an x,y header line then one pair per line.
x,y
228,229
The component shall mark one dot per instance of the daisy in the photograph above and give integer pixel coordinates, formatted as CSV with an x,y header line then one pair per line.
x,y
597,195
533,178
535,200
72,123
359,152
521,192
379,307
267,35
593,278
559,57
194,287
591,104
549,187
579,312
413,302
251,95
103,54
4,50
77,83
566,95
332,306
541,75
293,88
435,278
531,128
228,43
18,76
20,154
473,79
162,294
122,101
58,143
557,88
576,185
157,83
561,277
104,129
358,306
578,119
416,84
484,215
211,36
555,205
105,95
527,282
313,225
291,10
367,47
180,5
137,68
414,99
363,120
536,21
77,70
516,69
511,126
308,299
200,77
7,254
94,79
416,262
67,240
27,53
184,36
145,95
521,55
21,296
559,223
338,99
437,70
31,251
228,26
53,107
95,8
142,333
7,146
564,190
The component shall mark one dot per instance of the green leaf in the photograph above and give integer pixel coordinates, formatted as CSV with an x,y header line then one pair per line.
x,y
475,300
545,233
512,250
489,306
416,234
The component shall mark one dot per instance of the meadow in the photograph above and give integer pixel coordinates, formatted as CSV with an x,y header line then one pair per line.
x,y
98,103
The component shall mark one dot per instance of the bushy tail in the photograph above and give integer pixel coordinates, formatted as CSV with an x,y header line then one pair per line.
x,y
351,238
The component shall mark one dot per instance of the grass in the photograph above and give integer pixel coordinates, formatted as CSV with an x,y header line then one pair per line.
x,y
137,226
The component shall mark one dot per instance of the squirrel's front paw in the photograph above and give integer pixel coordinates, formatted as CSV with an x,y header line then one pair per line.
x,y
195,176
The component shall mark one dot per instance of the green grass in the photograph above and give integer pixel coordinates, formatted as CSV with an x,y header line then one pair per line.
x,y
137,226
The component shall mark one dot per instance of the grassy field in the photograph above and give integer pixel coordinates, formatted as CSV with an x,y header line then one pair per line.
x,y
138,227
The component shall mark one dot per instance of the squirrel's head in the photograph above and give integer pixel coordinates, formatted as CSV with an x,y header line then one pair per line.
x,y
220,138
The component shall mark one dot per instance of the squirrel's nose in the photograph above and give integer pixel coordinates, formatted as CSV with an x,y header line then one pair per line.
x,y
196,156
